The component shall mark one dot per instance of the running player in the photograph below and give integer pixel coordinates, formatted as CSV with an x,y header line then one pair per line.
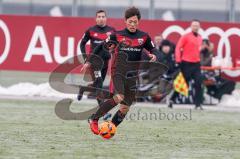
x,y
130,42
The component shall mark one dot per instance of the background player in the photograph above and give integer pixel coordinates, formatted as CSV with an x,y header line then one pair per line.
x,y
97,34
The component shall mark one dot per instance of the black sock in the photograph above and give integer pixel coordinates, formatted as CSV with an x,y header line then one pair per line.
x,y
104,108
118,118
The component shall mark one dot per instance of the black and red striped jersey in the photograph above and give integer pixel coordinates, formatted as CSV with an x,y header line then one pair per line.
x,y
96,34
132,44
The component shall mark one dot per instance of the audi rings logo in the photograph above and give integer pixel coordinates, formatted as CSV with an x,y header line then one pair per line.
x,y
4,54
224,41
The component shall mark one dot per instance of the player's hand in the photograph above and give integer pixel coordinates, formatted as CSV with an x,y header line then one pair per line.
x,y
85,66
118,98
111,46
153,57
178,65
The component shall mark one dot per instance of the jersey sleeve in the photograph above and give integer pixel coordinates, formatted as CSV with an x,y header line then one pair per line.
x,y
151,48
112,42
83,43
179,47
149,44
112,38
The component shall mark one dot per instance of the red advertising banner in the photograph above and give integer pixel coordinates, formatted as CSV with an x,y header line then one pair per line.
x,y
34,43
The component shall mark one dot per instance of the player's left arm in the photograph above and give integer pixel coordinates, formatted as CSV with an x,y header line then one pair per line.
x,y
151,48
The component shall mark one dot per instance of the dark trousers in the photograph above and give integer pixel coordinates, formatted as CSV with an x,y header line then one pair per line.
x,y
193,71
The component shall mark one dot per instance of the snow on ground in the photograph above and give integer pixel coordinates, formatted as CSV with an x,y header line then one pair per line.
x,y
32,90
44,90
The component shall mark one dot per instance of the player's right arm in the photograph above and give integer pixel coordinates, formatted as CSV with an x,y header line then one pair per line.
x,y
109,44
83,43
112,43
151,48
179,49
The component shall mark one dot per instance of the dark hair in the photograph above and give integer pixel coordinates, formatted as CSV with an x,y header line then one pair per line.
x,y
100,11
166,43
195,20
132,11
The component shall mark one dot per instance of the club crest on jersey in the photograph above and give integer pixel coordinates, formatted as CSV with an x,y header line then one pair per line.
x,y
123,40
108,33
140,41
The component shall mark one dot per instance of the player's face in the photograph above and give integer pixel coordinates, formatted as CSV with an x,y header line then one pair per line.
x,y
132,23
101,19
195,26
158,40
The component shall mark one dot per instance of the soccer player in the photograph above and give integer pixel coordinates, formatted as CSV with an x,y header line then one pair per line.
x,y
97,34
129,41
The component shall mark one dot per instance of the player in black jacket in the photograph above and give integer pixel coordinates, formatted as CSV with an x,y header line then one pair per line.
x,y
97,34
130,43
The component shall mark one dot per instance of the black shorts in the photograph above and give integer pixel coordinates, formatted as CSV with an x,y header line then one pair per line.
x,y
125,86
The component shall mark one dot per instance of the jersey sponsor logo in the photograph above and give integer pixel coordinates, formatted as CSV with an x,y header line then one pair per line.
x,y
123,40
98,41
224,42
140,41
95,34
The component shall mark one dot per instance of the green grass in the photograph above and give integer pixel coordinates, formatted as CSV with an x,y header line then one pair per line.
x,y
30,129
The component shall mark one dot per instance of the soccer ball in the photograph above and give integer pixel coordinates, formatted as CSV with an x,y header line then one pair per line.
x,y
107,129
